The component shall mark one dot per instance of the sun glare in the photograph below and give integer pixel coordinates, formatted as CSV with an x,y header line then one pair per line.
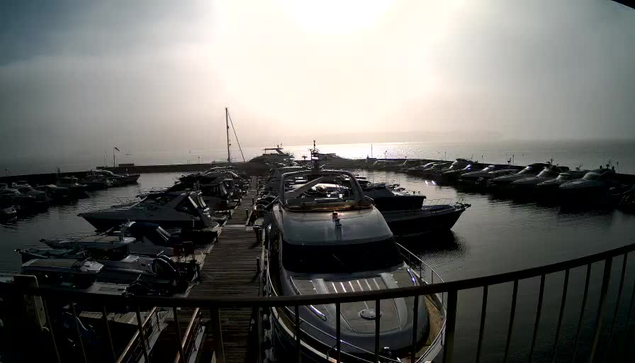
x,y
335,17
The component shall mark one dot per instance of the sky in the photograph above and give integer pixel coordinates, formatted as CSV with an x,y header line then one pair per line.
x,y
79,77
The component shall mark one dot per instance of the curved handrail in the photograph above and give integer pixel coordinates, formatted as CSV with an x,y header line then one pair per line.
x,y
235,302
357,189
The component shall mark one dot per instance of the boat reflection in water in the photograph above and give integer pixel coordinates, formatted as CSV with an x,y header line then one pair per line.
x,y
325,239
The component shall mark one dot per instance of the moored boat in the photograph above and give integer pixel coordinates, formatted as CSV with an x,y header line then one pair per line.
x,y
184,210
341,243
409,215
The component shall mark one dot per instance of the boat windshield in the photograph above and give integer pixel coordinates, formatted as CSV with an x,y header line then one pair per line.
x,y
347,258
187,205
563,176
592,176
545,173
527,170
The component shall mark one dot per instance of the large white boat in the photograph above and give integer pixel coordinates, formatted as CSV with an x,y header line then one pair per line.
x,y
338,243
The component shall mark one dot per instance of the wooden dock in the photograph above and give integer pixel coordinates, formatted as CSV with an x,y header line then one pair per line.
x,y
230,270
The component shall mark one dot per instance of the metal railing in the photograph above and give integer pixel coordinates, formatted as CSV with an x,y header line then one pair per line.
x,y
440,201
450,290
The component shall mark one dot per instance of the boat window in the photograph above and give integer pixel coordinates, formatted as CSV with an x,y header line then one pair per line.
x,y
592,176
563,177
527,170
187,206
341,258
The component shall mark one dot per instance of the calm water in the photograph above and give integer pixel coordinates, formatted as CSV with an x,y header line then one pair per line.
x,y
588,154
493,236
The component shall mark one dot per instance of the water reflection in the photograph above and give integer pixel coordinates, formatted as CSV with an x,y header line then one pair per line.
x,y
434,243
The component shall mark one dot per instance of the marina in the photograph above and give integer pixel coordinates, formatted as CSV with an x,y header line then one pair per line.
x,y
414,182
231,268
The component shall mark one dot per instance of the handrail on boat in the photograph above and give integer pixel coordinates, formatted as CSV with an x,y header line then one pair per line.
x,y
132,341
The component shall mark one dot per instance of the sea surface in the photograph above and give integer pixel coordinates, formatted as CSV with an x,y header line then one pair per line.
x,y
492,236
587,154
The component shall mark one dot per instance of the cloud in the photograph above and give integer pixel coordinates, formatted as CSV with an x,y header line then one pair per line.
x,y
78,77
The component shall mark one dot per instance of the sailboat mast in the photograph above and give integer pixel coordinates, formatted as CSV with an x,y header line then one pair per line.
x,y
227,129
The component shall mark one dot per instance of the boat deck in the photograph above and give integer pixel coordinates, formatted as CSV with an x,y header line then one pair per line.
x,y
230,269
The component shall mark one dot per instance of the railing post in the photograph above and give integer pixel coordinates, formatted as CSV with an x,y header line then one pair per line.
x,y
598,321
297,334
142,336
481,328
79,334
450,325
617,304
415,321
218,335
110,342
377,328
512,314
563,302
49,322
178,333
338,331
259,332
541,295
584,298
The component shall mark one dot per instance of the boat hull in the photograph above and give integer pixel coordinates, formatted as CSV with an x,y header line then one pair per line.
x,y
420,222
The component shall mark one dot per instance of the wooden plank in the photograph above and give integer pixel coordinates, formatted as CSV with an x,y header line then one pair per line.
x,y
230,269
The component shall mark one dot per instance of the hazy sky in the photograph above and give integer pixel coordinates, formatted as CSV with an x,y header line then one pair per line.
x,y
82,76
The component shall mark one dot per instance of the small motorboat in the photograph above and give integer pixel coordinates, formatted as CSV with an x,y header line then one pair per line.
x,y
221,188
184,210
503,183
330,240
407,216
117,179
7,210
76,190
98,180
22,203
146,239
438,169
452,176
527,186
55,193
164,275
40,200
71,274
595,187
428,170
547,190
480,177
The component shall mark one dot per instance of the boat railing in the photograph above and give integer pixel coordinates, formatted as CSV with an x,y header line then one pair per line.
x,y
440,201
425,272
599,330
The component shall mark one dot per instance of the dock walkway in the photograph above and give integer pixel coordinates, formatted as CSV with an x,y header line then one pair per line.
x,y
230,269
